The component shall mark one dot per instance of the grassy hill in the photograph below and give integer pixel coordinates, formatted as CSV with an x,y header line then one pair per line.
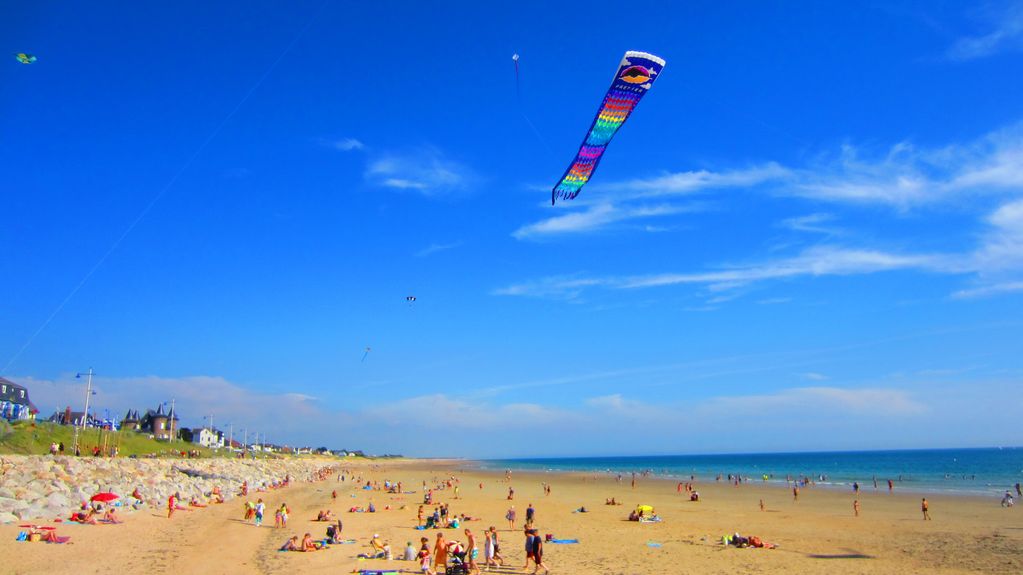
x,y
34,438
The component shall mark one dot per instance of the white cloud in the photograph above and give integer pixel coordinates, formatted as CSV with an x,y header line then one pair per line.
x,y
813,262
814,376
906,176
863,401
595,217
435,248
681,183
810,223
346,144
816,261
1006,34
557,287
426,171
990,290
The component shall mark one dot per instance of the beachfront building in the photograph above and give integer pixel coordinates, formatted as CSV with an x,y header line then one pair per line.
x,y
14,401
68,417
131,421
207,437
159,423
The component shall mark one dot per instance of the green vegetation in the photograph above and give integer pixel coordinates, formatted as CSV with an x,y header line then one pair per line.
x,y
34,438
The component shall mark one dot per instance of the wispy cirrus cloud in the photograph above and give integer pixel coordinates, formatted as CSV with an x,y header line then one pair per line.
x,y
436,248
906,176
620,202
813,223
427,171
867,401
344,144
1004,32
816,261
595,217
689,182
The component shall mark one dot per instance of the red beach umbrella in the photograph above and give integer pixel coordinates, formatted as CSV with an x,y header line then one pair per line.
x,y
104,497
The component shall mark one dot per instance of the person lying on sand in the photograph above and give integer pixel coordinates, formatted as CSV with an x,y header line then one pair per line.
x,y
86,515
109,517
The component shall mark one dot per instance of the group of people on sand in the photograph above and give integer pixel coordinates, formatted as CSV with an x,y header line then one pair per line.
x,y
94,515
306,544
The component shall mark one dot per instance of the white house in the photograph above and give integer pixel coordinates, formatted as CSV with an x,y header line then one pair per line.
x,y
207,437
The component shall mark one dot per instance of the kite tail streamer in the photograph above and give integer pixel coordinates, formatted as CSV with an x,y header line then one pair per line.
x,y
636,74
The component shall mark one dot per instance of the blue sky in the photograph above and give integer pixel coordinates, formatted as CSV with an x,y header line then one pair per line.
x,y
810,232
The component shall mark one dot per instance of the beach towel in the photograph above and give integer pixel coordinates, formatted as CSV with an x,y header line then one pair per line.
x,y
59,539
652,544
377,571
564,541
654,519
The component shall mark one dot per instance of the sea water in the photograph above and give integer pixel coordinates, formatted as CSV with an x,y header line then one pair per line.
x,y
982,471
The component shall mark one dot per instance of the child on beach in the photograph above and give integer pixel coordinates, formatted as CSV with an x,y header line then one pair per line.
x,y
424,561
925,508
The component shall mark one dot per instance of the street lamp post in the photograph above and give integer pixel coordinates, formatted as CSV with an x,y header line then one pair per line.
x,y
85,417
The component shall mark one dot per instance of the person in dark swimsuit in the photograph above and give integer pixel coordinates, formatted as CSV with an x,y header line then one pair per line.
x,y
538,553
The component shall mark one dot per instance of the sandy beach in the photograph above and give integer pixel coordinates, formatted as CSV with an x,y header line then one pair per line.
x,y
816,534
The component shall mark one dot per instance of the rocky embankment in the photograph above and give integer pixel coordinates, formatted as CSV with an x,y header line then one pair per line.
x,y
46,487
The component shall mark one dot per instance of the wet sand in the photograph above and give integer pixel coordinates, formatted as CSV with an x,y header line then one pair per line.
x,y
816,534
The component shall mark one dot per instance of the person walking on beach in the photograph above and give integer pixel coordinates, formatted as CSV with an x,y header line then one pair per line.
x,y
761,504
530,515
795,493
440,553
925,508
856,508
260,508
497,546
529,547
488,550
1019,493
538,554
890,486
510,516
470,551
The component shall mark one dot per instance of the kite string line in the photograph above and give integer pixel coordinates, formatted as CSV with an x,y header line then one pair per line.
x,y
163,191
522,112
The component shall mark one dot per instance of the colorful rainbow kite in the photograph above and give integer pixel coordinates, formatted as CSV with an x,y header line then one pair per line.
x,y
635,75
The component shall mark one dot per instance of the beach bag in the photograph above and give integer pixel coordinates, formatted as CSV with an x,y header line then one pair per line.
x,y
35,537
549,537
23,536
